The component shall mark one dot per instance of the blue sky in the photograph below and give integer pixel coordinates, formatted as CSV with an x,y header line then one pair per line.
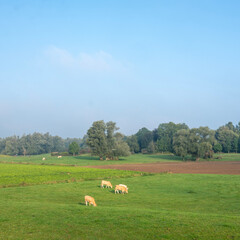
x,y
65,64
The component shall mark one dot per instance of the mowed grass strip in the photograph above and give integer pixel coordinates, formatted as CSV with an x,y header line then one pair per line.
x,y
16,174
161,206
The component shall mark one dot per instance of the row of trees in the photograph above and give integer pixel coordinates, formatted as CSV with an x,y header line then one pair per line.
x,y
105,141
36,143
181,140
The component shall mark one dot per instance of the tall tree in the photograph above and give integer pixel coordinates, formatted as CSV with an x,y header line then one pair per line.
x,y
121,148
104,142
111,140
230,126
144,137
151,147
58,144
12,147
227,138
201,141
132,142
97,139
73,148
180,142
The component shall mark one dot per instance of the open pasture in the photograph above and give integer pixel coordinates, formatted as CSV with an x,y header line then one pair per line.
x,y
88,160
161,206
17,174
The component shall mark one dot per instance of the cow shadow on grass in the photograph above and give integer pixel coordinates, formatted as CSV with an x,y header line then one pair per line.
x,y
111,190
83,204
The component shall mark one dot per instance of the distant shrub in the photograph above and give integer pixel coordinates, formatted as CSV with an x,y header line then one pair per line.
x,y
208,154
54,153
65,154
144,151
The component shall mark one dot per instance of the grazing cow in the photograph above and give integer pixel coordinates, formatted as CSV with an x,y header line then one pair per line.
x,y
106,183
121,189
43,159
59,156
90,200
123,186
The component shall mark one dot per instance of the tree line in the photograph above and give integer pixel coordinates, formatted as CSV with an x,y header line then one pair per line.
x,y
183,141
104,140
36,143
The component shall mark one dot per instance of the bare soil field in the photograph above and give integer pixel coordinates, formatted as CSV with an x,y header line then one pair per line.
x,y
182,167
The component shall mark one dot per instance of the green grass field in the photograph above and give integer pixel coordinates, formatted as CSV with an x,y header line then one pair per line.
x,y
47,201
161,206
17,174
87,160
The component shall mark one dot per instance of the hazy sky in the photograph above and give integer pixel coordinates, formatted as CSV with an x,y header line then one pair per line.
x,y
65,64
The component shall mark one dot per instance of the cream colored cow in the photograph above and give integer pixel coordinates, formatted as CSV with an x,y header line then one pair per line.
x,y
90,200
59,156
119,189
44,159
123,186
106,183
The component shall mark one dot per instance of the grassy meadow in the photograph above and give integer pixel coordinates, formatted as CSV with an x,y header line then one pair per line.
x,y
161,206
17,174
88,160
45,200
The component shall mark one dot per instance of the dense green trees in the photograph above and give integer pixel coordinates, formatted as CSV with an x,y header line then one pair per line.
x,y
73,148
180,142
151,147
165,134
144,137
217,148
36,143
196,142
104,142
228,139
132,142
97,139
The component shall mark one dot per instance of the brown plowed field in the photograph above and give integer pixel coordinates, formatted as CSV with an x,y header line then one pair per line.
x,y
181,167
